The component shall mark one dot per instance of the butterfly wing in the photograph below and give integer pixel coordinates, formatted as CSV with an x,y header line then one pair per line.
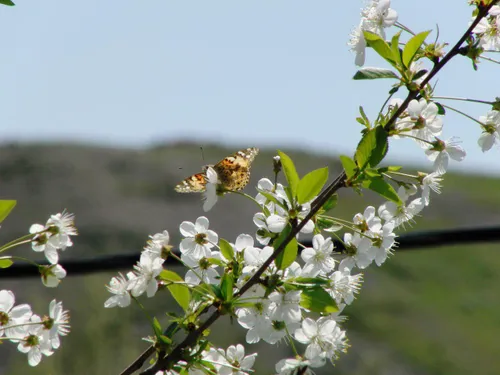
x,y
234,170
193,184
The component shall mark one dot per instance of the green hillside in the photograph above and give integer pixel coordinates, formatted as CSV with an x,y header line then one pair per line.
x,y
429,311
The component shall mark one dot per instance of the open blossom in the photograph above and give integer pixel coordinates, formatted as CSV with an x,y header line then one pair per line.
x,y
201,269
36,342
52,275
238,363
324,338
13,317
375,17
119,287
359,250
488,30
146,271
491,130
441,151
198,238
57,323
54,235
210,193
291,366
255,257
318,258
285,306
401,213
159,245
422,122
430,182
344,285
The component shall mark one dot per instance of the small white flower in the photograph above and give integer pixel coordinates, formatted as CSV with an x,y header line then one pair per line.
x,y
422,122
210,194
367,220
383,241
488,30
357,43
263,234
119,287
58,323
319,335
55,235
491,130
359,249
285,306
241,364
441,151
61,226
318,258
344,285
242,242
52,275
291,366
255,257
201,268
41,243
198,238
158,245
378,15
36,342
401,213
13,317
430,182
146,271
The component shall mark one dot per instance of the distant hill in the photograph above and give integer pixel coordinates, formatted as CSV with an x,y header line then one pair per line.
x,y
424,312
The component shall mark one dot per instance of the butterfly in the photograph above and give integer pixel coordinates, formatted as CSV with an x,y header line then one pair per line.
x,y
233,172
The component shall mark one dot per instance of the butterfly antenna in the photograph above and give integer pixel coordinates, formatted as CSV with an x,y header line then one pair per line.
x,y
202,155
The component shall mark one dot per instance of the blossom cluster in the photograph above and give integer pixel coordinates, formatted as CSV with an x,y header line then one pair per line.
x,y
274,292
33,335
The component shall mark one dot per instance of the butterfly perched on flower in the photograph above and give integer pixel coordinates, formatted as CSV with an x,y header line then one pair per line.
x,y
233,173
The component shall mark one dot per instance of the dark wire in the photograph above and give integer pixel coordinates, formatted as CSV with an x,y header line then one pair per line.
x,y
408,241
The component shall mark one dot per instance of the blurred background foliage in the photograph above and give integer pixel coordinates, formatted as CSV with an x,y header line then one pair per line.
x,y
428,311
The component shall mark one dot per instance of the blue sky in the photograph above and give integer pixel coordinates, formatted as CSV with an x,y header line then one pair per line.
x,y
243,73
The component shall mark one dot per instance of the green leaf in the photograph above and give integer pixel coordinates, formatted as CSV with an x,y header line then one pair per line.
x,y
288,255
374,73
372,172
318,300
226,249
441,109
382,146
226,287
180,292
331,203
380,46
216,261
157,327
290,172
372,148
5,262
349,166
5,207
366,121
412,47
396,51
7,2
311,184
390,168
382,187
